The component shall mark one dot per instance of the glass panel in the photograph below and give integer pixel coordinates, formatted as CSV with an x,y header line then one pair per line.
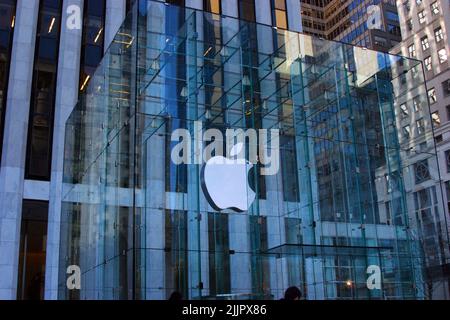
x,y
203,161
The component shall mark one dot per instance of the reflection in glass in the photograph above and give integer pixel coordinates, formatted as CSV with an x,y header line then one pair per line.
x,y
349,194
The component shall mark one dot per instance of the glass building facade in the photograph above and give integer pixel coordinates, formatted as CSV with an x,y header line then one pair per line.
x,y
342,206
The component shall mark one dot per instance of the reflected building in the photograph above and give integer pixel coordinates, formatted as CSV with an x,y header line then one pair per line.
x,y
425,26
372,24
344,204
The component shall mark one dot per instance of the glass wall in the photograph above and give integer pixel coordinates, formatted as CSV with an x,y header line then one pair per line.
x,y
203,161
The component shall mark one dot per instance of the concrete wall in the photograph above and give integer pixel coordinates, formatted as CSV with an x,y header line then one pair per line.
x,y
14,144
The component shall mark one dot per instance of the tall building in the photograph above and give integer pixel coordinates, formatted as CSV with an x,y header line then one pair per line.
x,y
218,154
425,25
372,24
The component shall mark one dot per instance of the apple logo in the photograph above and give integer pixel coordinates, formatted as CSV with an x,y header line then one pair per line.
x,y
225,182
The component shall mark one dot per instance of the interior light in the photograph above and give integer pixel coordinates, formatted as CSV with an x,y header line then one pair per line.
x,y
207,51
98,35
85,82
52,23
13,21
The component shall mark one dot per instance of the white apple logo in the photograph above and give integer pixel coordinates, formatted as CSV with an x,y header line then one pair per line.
x,y
225,182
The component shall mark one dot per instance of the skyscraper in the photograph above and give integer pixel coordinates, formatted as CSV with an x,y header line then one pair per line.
x,y
372,24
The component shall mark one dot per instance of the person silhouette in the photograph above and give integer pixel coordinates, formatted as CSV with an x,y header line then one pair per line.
x,y
292,293
176,296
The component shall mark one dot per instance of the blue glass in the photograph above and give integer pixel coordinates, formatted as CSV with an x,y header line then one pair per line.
x,y
348,198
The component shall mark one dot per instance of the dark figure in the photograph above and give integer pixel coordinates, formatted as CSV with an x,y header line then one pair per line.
x,y
176,296
292,293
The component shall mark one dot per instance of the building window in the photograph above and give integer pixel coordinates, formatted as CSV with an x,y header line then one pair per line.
x,y
247,10
407,5
420,126
421,16
426,205
93,39
415,71
407,131
436,119
42,106
442,55
7,23
427,213
279,15
439,34
412,51
213,6
380,41
404,109
434,8
393,29
33,236
416,103
425,43
446,87
447,160
421,171
392,182
432,95
392,16
427,62
448,112
409,24
219,254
